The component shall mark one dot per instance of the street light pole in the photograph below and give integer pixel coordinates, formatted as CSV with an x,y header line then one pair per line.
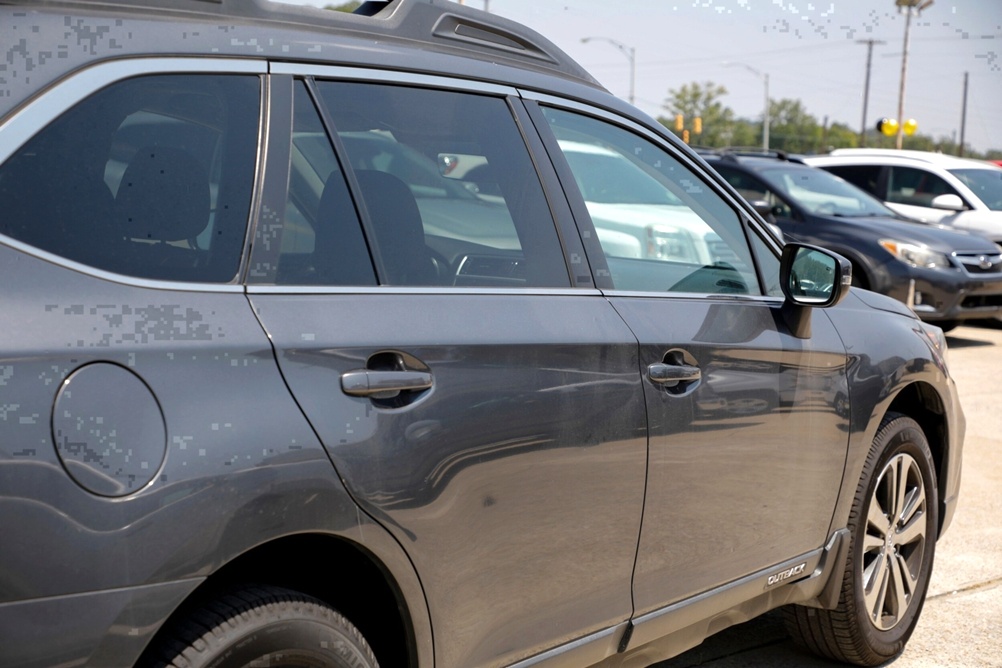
x,y
630,53
765,114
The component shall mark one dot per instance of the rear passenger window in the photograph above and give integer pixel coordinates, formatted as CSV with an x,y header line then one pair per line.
x,y
661,228
150,177
450,195
866,177
906,185
318,240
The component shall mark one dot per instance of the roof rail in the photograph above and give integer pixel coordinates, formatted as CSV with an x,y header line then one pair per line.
x,y
734,152
440,23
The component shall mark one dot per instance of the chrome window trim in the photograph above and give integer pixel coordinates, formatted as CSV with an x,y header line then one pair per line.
x,y
429,290
591,110
702,296
133,281
362,74
60,97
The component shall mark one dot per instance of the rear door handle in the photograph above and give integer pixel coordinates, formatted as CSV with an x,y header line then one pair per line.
x,y
670,375
383,384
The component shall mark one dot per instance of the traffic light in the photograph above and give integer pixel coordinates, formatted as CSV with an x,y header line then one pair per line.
x,y
679,122
685,136
697,125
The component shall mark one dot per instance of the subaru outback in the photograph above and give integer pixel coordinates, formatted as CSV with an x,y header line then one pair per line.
x,y
278,388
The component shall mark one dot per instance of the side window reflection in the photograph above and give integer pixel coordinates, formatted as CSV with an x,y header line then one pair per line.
x,y
317,239
450,194
661,228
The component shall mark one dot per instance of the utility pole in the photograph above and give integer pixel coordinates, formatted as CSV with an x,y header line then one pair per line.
x,y
866,86
766,121
963,117
908,7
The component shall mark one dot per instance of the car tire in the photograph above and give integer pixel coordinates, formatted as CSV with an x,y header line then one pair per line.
x,y
265,625
893,527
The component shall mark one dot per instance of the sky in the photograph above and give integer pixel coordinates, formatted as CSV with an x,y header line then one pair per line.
x,y
814,52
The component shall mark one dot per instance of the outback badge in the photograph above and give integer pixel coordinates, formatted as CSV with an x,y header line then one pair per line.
x,y
784,575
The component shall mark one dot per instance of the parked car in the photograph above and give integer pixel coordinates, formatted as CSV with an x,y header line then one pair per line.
x,y
277,389
946,276
931,187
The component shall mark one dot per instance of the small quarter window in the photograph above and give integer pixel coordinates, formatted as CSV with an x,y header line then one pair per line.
x,y
150,177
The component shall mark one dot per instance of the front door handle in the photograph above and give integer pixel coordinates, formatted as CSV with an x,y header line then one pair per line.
x,y
670,375
383,384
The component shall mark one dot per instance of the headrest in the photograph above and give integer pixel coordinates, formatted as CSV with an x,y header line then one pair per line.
x,y
164,195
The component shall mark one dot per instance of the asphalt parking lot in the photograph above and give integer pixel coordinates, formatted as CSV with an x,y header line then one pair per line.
x,y
961,624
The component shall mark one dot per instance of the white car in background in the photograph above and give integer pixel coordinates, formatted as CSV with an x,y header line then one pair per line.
x,y
635,215
930,187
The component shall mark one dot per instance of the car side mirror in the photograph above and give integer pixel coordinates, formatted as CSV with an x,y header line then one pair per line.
x,y
949,202
810,277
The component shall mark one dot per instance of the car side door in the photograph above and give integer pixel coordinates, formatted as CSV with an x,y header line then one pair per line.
x,y
477,395
747,422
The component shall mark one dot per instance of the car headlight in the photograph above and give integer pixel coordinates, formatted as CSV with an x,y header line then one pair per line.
x,y
915,255
669,243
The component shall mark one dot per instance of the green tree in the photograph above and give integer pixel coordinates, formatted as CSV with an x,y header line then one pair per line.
x,y
839,135
745,132
791,128
701,101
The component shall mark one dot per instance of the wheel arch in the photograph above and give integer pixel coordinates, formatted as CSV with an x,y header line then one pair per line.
x,y
337,571
921,402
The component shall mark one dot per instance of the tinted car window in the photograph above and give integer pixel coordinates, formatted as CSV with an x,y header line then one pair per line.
x,y
317,239
661,228
918,187
754,190
822,193
150,177
450,191
866,177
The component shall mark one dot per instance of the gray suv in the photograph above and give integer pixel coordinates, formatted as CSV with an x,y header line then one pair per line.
x,y
316,354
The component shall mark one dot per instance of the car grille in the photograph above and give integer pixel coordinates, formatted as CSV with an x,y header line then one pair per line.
x,y
981,301
981,263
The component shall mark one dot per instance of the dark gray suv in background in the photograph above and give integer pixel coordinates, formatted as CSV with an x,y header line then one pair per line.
x,y
330,341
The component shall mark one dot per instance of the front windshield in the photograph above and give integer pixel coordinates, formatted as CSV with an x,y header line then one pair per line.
x,y
986,184
823,193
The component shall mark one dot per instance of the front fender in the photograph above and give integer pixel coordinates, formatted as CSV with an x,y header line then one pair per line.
x,y
903,370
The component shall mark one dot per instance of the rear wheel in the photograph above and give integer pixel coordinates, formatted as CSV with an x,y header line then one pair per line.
x,y
266,626
893,525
